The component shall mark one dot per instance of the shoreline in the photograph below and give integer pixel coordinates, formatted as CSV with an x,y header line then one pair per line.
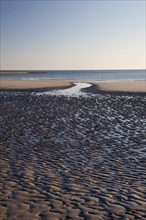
x,y
97,86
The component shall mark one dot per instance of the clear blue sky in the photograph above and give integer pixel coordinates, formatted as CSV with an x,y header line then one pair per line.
x,y
72,34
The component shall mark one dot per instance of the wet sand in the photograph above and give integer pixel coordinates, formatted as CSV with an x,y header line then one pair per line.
x,y
72,157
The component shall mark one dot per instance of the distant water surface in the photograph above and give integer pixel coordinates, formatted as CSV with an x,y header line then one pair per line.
x,y
105,75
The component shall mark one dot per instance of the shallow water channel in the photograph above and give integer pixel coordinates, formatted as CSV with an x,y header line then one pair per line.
x,y
73,91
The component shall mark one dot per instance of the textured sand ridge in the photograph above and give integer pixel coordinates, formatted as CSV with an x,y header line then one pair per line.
x,y
72,157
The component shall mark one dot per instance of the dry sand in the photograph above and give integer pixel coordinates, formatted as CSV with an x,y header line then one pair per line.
x,y
27,84
129,86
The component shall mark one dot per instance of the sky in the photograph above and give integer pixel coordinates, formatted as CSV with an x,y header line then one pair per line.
x,y
72,35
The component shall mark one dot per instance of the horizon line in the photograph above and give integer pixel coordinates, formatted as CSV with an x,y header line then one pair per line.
x,y
26,70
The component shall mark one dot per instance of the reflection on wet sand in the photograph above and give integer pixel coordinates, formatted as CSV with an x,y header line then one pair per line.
x,y
72,157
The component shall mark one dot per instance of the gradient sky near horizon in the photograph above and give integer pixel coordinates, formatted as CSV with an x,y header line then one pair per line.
x,y
72,35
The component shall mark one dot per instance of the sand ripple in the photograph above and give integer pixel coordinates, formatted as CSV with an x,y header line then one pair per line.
x,y
73,157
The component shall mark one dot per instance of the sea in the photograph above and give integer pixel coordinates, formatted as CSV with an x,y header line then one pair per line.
x,y
85,75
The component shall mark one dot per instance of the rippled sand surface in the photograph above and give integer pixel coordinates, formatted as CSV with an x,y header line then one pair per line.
x,y
73,157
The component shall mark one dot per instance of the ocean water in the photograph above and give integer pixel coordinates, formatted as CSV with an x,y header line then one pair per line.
x,y
85,75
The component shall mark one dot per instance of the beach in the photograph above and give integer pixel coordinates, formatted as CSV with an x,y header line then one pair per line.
x,y
72,110
128,86
33,84
72,157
